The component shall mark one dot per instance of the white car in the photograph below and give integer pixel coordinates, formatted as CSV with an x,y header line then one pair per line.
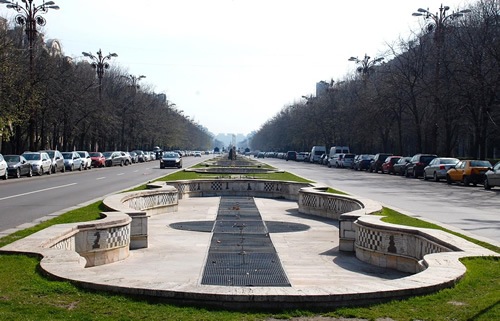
x,y
40,162
86,160
4,173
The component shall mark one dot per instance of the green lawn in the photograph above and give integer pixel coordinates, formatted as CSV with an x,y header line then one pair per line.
x,y
25,294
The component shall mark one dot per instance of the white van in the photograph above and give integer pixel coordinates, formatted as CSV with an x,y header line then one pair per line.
x,y
335,152
316,153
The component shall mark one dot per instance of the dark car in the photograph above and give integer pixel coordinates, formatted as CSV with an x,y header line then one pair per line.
x,y
291,155
377,161
417,164
171,159
399,168
18,166
362,162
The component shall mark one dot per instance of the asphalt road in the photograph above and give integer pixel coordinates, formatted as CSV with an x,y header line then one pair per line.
x,y
25,200
470,210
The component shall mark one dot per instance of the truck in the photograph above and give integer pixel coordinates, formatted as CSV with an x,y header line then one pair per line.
x,y
316,153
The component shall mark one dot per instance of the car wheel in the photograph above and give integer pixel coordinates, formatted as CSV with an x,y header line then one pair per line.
x,y
63,169
407,174
54,169
81,167
466,180
448,179
6,175
18,173
72,168
486,184
30,172
40,171
425,177
49,171
121,163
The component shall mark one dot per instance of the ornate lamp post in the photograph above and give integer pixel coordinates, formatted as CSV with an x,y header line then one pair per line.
x,y
29,17
436,22
366,64
99,63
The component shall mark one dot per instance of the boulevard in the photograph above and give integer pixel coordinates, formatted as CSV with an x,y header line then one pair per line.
x,y
472,211
25,200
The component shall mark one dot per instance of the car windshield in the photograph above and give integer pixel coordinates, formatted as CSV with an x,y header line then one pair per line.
x,y
427,159
12,158
107,154
170,155
448,161
32,156
479,163
51,154
82,154
95,154
67,155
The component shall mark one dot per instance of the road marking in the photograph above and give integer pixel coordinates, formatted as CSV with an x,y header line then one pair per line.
x,y
100,178
39,191
120,174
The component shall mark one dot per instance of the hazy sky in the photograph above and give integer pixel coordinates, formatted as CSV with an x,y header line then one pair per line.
x,y
233,64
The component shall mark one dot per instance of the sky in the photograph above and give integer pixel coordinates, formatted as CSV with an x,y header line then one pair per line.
x,y
231,65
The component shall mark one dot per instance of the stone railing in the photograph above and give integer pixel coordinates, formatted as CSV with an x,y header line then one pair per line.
x,y
236,187
139,205
346,209
99,242
400,247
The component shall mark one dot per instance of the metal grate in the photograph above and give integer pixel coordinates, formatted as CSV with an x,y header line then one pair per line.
x,y
241,252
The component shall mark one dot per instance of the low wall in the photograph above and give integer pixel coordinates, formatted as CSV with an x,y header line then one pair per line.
x,y
346,209
237,187
98,242
139,205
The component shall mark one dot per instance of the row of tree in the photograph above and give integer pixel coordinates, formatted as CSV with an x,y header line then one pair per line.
x,y
438,92
55,104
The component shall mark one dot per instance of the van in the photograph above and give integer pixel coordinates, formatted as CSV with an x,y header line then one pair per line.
x,y
316,153
333,156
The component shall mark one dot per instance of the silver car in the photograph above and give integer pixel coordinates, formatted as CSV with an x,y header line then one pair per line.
x,y
438,167
4,173
72,161
57,160
492,178
40,162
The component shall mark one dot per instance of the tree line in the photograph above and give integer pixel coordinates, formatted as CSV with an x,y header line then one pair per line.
x,y
55,105
437,92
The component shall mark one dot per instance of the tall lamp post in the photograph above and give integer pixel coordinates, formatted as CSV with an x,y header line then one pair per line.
x,y
436,22
134,80
366,64
99,63
29,17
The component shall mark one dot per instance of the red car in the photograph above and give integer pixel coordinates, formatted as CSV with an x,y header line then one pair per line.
x,y
98,159
388,165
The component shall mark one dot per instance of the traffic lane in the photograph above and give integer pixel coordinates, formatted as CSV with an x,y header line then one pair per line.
x,y
28,200
472,210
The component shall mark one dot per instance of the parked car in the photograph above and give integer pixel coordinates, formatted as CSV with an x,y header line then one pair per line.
x,y
399,168
388,164
291,155
377,161
40,162
18,166
362,162
417,164
197,154
140,155
316,153
57,160
4,172
302,156
113,159
127,159
468,172
492,177
98,159
72,161
323,160
438,167
134,157
347,161
86,159
261,155
171,159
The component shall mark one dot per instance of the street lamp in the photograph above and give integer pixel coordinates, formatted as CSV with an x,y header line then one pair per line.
x,y
29,17
99,64
437,23
365,64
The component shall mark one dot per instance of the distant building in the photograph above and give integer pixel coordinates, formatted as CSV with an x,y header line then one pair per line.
x,y
322,88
